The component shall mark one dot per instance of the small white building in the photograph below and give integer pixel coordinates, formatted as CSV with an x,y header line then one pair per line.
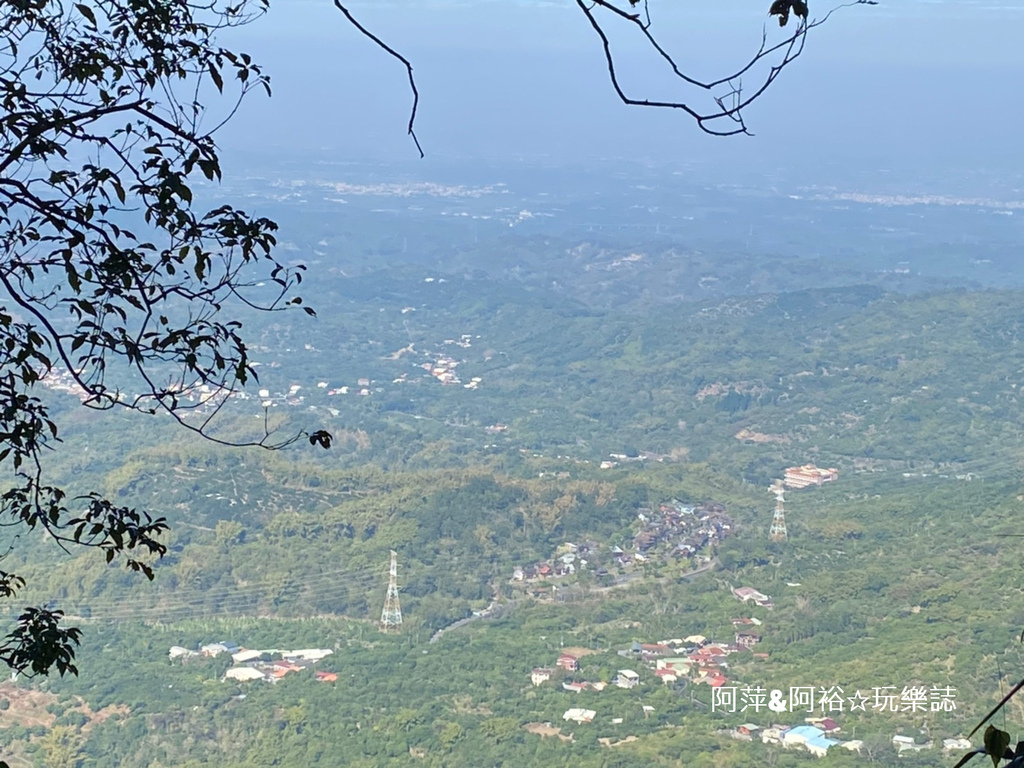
x,y
308,654
243,674
627,678
955,745
579,715
241,657
540,675
907,744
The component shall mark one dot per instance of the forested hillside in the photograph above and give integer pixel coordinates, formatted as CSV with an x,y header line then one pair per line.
x,y
583,423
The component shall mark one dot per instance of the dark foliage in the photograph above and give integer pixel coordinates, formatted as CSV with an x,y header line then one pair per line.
x,y
113,277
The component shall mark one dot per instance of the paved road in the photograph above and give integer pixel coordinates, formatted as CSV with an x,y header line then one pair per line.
x,y
490,611
494,609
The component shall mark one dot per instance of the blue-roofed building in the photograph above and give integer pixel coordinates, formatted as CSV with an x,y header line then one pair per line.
x,y
819,746
799,735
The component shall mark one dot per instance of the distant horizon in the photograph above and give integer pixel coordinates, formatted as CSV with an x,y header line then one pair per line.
x,y
894,85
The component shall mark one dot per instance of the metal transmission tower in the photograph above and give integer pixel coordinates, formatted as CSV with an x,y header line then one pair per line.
x,y
778,529
391,616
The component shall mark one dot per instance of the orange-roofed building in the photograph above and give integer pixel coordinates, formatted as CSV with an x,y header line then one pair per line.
x,y
808,474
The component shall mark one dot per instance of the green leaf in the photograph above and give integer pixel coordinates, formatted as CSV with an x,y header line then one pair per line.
x,y
996,744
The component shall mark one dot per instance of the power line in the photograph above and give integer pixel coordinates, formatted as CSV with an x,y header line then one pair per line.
x,y
319,587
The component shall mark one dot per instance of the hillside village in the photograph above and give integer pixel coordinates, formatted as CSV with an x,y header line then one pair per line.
x,y
686,663
671,530
695,660
270,665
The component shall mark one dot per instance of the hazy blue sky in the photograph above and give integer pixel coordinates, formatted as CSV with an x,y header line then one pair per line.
x,y
903,83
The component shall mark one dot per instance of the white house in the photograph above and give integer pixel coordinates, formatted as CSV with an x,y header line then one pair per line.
x,y
627,678
243,674
950,745
907,744
579,715
540,675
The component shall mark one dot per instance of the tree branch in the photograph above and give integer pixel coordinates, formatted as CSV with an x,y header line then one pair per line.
x,y
408,66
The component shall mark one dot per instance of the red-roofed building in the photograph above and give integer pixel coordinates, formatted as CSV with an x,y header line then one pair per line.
x,y
327,677
282,668
666,675
656,649
287,666
828,725
568,662
703,659
808,474
715,680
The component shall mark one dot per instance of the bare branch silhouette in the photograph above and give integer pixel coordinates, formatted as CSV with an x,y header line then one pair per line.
x,y
730,102
408,66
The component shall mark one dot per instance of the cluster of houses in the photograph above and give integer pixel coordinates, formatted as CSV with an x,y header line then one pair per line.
x,y
674,529
569,557
268,665
362,389
696,658
60,380
443,369
693,658
570,663
681,530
